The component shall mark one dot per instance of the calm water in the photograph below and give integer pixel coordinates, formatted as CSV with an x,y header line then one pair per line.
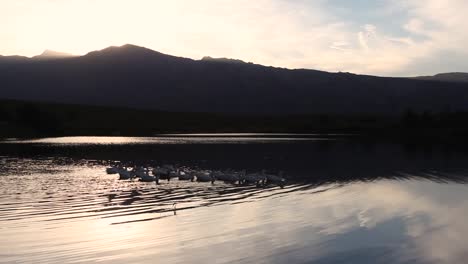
x,y
345,202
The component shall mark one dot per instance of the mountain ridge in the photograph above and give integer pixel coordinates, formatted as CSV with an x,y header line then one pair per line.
x,y
132,49
447,77
51,54
138,77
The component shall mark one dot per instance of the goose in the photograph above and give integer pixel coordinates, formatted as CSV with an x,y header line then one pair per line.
x,y
278,180
256,178
219,175
205,177
241,176
157,171
113,170
124,174
141,172
147,178
231,177
174,174
169,167
162,173
186,176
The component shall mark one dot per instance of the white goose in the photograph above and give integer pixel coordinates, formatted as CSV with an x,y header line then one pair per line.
x,y
147,178
219,175
162,173
231,176
169,167
256,178
205,177
278,180
124,174
141,172
186,176
174,173
113,170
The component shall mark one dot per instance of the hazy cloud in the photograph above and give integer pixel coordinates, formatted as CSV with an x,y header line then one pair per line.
x,y
391,39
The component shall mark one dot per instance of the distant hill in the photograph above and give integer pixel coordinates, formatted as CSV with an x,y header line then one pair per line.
x,y
50,54
12,58
447,77
225,60
137,77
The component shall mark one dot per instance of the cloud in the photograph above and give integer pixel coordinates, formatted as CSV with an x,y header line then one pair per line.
x,y
340,45
364,36
442,24
415,26
294,34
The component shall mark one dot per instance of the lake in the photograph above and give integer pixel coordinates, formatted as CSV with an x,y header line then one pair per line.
x,y
344,202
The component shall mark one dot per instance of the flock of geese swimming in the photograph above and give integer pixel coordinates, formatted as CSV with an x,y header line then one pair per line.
x,y
167,172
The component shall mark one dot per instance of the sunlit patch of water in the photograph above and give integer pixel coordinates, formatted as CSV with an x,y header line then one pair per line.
x,y
173,139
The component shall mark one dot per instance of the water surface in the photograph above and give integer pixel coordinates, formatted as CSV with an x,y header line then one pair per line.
x,y
345,202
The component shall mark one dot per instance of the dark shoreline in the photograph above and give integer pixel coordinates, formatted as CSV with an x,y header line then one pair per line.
x,y
19,119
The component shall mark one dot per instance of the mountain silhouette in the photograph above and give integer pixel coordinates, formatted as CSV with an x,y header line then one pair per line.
x,y
208,58
12,58
50,54
136,77
447,77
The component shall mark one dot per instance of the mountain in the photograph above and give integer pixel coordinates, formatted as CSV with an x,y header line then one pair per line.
x,y
51,55
12,58
137,77
447,77
226,60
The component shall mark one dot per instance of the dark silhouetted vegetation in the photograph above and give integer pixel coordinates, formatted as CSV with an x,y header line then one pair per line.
x,y
26,119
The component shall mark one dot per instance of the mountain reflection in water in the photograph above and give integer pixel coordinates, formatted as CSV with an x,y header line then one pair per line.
x,y
344,202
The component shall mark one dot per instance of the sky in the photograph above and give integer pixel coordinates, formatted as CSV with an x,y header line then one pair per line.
x,y
377,37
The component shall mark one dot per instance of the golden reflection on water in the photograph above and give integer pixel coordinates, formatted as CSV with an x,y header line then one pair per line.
x,y
173,139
